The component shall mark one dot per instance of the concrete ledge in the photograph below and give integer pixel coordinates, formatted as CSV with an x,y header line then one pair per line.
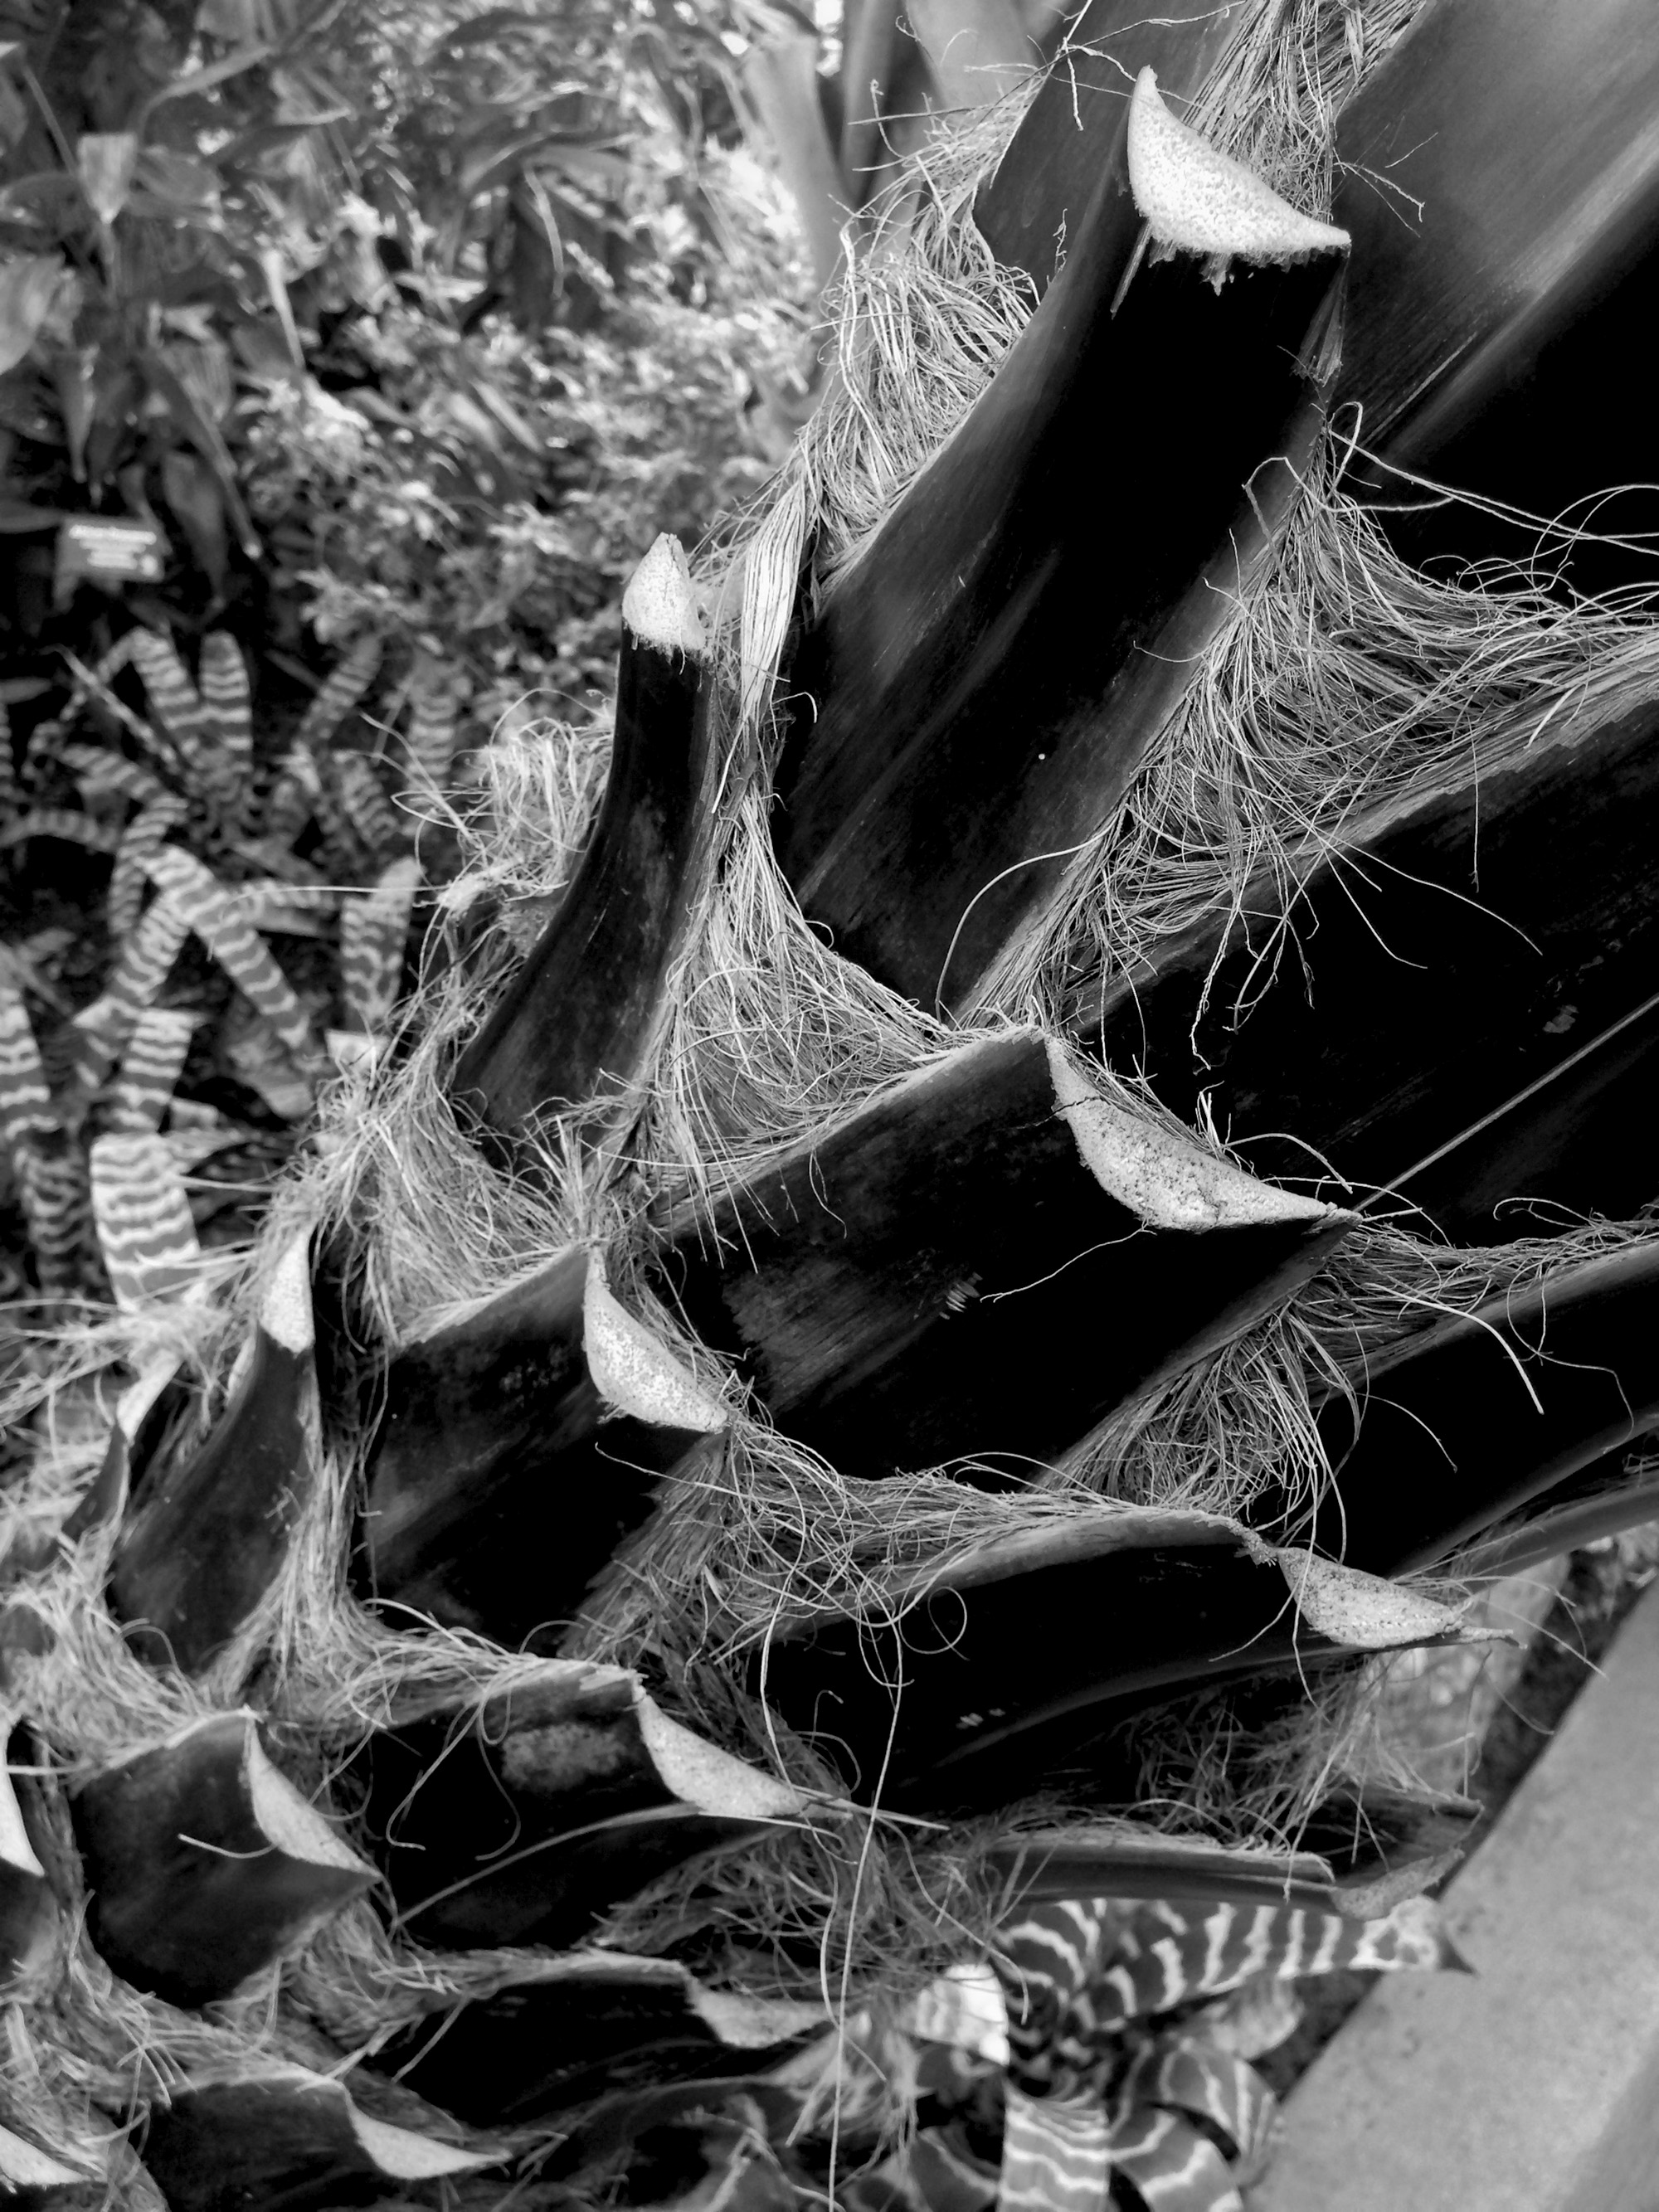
x,y
1533,2085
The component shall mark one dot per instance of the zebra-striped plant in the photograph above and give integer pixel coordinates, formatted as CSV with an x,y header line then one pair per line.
x,y
203,844
1099,2063
1110,2049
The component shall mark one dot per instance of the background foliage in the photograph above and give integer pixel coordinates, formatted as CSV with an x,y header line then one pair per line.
x,y
405,330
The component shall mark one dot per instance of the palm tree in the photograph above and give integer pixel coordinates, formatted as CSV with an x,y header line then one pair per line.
x,y
878,1387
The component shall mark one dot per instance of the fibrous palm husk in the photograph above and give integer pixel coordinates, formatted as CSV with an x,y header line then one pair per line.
x,y
1342,679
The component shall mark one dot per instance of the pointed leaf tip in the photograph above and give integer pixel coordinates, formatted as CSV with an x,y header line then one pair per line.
x,y
1366,1612
25,2168
1199,199
285,1312
633,1372
658,604
966,2008
700,1774
1170,1182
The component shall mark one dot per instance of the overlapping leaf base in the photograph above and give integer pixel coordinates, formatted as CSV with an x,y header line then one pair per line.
x,y
752,1592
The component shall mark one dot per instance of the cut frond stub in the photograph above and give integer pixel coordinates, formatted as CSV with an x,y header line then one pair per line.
x,y
633,1372
211,1526
658,604
25,2168
289,2136
1169,1182
1368,1612
27,1914
206,1862
1198,200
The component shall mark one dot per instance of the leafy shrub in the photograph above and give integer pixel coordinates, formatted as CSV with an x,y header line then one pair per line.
x,y
489,496
501,241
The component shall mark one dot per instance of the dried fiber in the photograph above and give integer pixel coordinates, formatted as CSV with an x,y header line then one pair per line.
x,y
1345,682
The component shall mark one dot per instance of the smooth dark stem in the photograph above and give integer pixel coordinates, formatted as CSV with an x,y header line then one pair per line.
x,y
577,1023
1425,1024
987,677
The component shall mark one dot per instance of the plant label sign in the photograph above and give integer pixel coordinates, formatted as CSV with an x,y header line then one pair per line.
x,y
108,553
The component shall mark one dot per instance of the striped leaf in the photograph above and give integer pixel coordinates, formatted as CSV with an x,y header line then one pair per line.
x,y
229,702
952,2075
263,1063
61,822
196,1131
187,1148
1055,2154
374,931
1187,2074
350,1050
26,1107
243,954
275,860
1172,2165
1077,1972
145,1232
109,665
101,1030
1257,2017
177,705
93,684
291,909
430,732
143,836
344,853
142,968
45,739
373,817
196,1113
966,2008
98,771
944,2174
290,802
52,1185
345,687
150,1067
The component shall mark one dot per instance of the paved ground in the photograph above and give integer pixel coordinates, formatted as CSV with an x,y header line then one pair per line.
x,y
1532,2085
